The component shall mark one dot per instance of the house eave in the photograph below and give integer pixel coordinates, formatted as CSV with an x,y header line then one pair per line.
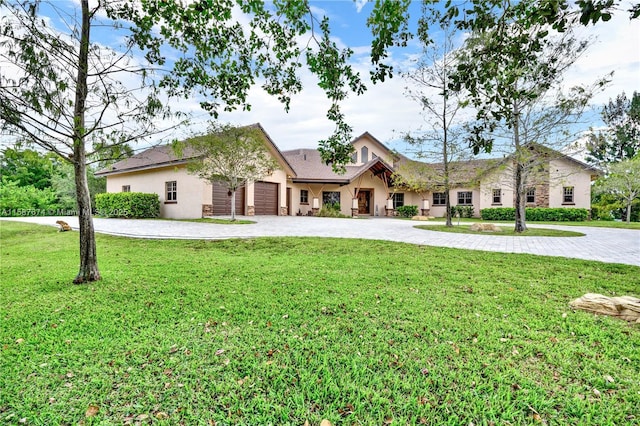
x,y
141,168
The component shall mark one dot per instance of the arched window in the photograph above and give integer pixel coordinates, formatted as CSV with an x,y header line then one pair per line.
x,y
364,154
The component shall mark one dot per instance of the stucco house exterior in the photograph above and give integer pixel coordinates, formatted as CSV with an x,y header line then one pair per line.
x,y
303,183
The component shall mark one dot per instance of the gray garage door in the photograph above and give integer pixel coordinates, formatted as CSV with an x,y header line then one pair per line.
x,y
222,201
266,198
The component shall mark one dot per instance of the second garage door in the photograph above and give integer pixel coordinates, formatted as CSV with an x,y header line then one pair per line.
x,y
266,198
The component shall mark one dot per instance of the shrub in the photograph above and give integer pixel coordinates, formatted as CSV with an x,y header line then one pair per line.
x,y
498,213
18,200
465,211
330,210
407,211
128,205
537,214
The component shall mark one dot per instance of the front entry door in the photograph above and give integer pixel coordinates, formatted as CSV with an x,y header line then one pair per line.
x,y
364,198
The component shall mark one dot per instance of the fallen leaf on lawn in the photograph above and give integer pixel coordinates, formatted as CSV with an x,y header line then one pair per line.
x,y
537,417
596,392
70,374
609,379
388,420
19,341
306,423
92,411
325,422
219,352
173,349
142,417
161,415
424,371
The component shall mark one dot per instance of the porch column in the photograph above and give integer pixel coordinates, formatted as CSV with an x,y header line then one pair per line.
x,y
389,210
425,208
315,206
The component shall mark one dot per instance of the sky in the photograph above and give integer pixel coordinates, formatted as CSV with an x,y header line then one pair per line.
x,y
384,110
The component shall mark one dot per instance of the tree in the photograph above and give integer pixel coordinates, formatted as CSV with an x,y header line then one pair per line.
x,y
512,73
68,96
443,139
621,140
622,182
230,155
219,59
65,95
27,167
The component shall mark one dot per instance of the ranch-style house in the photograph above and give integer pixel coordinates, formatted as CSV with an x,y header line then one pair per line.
x,y
303,184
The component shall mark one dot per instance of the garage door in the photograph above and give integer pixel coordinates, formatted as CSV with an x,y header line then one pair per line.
x,y
222,201
266,198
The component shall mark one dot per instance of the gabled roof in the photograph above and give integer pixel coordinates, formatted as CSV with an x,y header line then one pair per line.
x,y
311,169
164,156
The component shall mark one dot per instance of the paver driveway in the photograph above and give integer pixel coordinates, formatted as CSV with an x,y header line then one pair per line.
x,y
602,244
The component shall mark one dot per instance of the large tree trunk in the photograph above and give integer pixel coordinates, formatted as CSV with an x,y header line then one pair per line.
x,y
521,224
629,211
88,258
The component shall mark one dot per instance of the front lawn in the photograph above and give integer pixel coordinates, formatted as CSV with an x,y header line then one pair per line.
x,y
289,330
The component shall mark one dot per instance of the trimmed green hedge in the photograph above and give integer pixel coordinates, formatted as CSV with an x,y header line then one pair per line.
x,y
537,214
407,211
136,205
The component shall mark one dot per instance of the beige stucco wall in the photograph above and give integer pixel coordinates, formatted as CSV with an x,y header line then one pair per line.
x,y
565,173
439,211
192,191
373,147
501,179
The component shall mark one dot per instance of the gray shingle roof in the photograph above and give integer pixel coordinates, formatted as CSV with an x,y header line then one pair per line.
x,y
309,167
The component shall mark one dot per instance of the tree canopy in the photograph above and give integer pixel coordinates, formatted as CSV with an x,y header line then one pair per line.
x,y
621,139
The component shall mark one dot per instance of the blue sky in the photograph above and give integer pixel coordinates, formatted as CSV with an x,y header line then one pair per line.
x,y
384,110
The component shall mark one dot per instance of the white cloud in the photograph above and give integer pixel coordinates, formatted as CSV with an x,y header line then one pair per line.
x,y
360,4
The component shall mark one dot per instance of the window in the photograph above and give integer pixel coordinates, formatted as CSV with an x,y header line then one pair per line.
x,y
531,195
126,188
497,196
304,196
567,197
465,198
398,199
172,191
439,199
330,197
354,158
364,154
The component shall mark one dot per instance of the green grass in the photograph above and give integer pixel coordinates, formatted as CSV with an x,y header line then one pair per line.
x,y
505,231
589,223
288,330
